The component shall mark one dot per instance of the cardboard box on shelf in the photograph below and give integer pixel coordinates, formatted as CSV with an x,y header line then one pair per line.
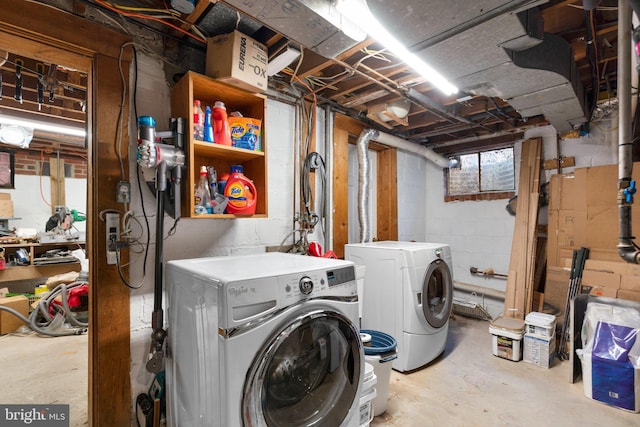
x,y
237,59
6,205
8,322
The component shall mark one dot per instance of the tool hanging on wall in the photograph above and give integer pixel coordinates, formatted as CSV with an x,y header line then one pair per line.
x,y
51,78
40,70
18,93
4,55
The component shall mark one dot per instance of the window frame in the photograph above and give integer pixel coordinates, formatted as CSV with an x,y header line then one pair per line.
x,y
481,195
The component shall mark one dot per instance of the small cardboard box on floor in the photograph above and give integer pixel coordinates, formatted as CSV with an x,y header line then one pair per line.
x,y
8,322
239,60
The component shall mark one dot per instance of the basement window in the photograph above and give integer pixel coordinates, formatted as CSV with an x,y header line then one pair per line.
x,y
485,175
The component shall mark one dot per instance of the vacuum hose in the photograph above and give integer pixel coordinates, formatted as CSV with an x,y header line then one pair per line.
x,y
40,319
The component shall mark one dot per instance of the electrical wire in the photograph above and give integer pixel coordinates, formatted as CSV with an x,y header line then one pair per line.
x,y
40,174
592,55
149,17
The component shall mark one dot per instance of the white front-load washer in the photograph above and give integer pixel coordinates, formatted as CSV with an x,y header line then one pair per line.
x,y
408,294
263,340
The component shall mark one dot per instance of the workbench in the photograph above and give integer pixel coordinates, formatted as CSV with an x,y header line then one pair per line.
x,y
37,251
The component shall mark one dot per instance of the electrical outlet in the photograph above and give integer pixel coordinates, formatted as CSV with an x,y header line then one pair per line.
x,y
113,233
123,192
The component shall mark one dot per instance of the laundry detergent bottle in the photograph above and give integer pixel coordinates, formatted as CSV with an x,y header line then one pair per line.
x,y
221,128
241,192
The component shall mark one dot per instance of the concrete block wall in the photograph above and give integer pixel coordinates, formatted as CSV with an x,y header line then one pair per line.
x,y
413,187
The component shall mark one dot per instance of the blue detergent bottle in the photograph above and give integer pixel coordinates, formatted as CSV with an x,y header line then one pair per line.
x,y
208,129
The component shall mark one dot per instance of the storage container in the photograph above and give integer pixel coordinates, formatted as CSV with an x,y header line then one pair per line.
x,y
506,335
367,395
539,350
541,324
380,351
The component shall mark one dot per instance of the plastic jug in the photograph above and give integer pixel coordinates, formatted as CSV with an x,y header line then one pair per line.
x,y
241,192
221,129
208,128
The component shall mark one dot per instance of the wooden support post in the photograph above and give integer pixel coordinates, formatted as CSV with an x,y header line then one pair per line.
x,y
56,173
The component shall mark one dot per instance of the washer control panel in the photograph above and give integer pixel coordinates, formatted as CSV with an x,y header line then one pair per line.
x,y
318,283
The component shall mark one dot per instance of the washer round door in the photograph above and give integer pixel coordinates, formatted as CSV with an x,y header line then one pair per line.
x,y
437,294
306,375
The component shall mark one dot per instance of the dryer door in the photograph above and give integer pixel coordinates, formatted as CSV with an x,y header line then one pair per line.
x,y
307,375
437,294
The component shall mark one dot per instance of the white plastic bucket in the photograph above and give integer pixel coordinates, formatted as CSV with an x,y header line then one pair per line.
x,y
368,394
380,353
541,324
506,334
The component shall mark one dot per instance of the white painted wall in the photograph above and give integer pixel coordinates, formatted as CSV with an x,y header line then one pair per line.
x,y
32,200
413,187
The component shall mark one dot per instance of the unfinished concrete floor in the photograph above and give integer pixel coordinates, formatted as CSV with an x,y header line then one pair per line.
x,y
468,386
43,370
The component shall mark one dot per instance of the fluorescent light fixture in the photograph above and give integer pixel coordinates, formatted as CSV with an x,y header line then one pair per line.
x,y
359,14
16,135
43,126
282,60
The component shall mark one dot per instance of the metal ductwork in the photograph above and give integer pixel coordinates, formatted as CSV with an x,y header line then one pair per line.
x,y
362,146
493,48
315,24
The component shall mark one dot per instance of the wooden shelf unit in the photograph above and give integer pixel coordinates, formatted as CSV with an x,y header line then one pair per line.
x,y
35,250
198,153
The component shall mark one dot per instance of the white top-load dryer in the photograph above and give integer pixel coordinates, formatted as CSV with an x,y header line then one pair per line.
x,y
263,340
408,294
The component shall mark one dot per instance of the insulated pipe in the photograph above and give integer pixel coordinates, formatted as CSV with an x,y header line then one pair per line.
x,y
328,155
363,182
411,147
363,169
626,248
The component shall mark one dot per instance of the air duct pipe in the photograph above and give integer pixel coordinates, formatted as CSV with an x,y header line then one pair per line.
x,y
363,169
626,187
328,155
